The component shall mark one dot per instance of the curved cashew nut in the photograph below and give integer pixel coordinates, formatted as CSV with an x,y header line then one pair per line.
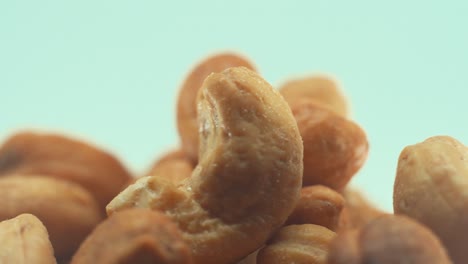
x,y
187,101
249,174
134,236
24,240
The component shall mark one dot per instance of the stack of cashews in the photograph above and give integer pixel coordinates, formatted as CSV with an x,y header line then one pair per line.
x,y
250,151
261,177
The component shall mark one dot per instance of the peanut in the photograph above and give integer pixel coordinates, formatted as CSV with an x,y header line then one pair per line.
x,y
250,151
431,186
24,240
186,103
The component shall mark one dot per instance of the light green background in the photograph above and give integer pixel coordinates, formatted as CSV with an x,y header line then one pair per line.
x,y
109,71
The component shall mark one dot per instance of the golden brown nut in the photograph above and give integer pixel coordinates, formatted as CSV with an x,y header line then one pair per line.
x,y
249,175
174,165
67,210
431,186
186,103
307,244
318,205
29,153
134,236
358,211
24,240
388,239
334,148
322,89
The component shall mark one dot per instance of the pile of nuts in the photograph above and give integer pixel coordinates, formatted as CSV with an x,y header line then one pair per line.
x,y
261,176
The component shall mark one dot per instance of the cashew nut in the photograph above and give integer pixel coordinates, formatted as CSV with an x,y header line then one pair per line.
x,y
248,178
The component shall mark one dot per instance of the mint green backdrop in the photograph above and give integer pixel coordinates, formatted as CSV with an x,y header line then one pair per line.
x,y
108,71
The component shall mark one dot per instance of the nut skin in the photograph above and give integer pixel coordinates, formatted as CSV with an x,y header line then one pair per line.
x,y
251,151
388,239
174,165
187,124
430,186
134,236
67,210
24,240
56,156
357,211
321,89
318,205
334,148
300,244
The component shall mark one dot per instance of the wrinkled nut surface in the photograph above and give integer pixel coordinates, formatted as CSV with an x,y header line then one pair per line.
x,y
175,166
317,205
322,89
135,236
388,239
357,211
334,148
67,210
251,151
187,124
307,244
24,240
431,186
29,153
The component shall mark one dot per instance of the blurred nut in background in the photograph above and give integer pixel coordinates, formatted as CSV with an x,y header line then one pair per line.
x,y
56,156
388,239
322,90
357,211
335,148
431,186
187,124
299,244
68,211
24,240
134,236
174,165
317,205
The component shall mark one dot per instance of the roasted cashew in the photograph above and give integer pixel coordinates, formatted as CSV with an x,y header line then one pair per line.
x,y
248,178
